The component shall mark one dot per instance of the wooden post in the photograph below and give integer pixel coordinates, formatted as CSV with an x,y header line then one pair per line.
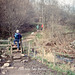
x,y
24,47
54,58
34,52
11,49
29,49
21,45
11,45
8,43
42,54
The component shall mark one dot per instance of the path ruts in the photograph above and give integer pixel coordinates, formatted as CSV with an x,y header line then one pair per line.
x,y
30,67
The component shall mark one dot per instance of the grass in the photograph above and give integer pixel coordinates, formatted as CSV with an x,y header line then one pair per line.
x,y
70,73
24,35
56,67
31,41
38,35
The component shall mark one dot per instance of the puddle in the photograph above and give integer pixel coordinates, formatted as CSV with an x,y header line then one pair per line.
x,y
66,59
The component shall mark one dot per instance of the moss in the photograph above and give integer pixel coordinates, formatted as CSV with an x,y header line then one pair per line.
x,y
70,72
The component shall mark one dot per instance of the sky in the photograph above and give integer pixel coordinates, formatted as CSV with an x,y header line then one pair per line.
x,y
70,2
63,2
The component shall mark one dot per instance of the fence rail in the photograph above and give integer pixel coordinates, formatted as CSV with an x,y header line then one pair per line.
x,y
5,43
34,51
4,40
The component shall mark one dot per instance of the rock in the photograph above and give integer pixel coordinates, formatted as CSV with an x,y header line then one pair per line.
x,y
3,72
8,61
32,33
3,56
0,60
21,68
26,60
73,43
2,67
10,67
6,64
22,55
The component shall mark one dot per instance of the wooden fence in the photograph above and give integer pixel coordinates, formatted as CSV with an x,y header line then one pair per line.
x,y
31,52
5,44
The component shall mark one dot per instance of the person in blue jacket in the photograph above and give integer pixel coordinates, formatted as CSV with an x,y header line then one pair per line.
x,y
17,36
37,27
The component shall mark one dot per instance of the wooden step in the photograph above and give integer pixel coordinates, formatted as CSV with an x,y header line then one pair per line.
x,y
16,56
16,51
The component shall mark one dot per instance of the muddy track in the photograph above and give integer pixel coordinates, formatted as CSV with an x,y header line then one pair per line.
x,y
30,67
27,66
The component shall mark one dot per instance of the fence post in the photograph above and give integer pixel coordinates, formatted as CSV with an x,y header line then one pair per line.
x,y
21,45
54,58
42,54
11,45
34,52
11,49
44,51
25,48
8,45
29,49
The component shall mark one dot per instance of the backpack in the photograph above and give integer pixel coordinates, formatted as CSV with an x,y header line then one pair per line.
x,y
16,36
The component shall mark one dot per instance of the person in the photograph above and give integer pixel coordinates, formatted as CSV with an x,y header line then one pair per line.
x,y
17,36
41,26
37,27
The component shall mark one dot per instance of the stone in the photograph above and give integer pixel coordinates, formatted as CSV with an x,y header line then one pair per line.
x,y
21,68
0,60
6,64
73,43
32,33
8,61
22,55
26,60
16,56
2,67
3,56
3,72
10,67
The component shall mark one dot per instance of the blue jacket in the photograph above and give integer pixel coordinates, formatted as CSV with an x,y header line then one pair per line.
x,y
18,36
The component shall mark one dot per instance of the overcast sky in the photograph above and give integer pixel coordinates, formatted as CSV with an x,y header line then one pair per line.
x,y
70,2
66,2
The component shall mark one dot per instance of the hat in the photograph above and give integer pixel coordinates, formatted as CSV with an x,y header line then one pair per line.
x,y
17,31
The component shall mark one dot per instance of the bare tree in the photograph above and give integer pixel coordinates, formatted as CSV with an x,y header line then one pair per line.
x,y
14,14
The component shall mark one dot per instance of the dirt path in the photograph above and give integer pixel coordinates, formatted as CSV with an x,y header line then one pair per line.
x,y
26,66
30,37
30,67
